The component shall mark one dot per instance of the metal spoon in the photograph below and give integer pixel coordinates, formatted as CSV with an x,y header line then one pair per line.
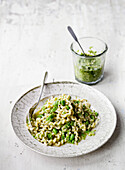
x,y
31,111
75,38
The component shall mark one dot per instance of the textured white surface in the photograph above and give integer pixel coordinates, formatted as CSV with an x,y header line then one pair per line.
x,y
33,37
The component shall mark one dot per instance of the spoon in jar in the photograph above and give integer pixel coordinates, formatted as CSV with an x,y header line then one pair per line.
x,y
31,111
75,38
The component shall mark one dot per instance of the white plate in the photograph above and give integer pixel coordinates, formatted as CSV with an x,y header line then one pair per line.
x,y
99,102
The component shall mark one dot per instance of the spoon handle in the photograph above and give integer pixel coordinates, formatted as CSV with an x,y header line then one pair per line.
x,y
72,33
75,38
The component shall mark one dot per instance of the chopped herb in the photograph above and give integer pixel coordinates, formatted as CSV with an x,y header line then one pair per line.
x,y
84,136
39,116
87,122
92,117
72,136
67,107
63,102
53,109
77,102
79,114
50,136
72,123
63,136
55,131
50,118
96,114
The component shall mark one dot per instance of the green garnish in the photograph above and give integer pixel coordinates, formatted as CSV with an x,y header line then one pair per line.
x,y
72,123
84,107
50,118
67,125
72,136
84,136
67,107
63,102
92,133
96,114
87,122
56,103
92,117
49,135
55,131
39,116
63,136
77,102
54,109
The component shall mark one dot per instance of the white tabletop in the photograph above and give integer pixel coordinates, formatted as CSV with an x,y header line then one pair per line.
x,y
34,38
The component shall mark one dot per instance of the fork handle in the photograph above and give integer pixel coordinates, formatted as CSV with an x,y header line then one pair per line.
x,y
42,86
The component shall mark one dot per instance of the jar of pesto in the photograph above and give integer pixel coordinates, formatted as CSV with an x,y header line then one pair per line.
x,y
89,67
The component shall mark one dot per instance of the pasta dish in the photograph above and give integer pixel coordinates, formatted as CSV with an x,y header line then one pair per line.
x,y
63,120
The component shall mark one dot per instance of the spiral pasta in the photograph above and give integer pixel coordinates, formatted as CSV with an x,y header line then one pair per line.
x,y
63,120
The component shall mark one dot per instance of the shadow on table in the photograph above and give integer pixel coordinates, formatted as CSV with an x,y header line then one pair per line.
x,y
100,155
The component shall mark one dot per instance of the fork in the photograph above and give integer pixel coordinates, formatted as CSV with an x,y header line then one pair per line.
x,y
31,111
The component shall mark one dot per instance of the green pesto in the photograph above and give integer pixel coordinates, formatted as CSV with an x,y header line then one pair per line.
x,y
89,69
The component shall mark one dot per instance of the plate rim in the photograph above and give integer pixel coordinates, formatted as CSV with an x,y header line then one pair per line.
x,y
66,82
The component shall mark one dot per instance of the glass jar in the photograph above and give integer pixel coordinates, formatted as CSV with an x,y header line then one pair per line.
x,y
89,67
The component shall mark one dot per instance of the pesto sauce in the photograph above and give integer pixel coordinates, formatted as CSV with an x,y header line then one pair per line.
x,y
89,70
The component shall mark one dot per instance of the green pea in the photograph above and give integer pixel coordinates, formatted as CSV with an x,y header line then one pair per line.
x,y
68,124
72,123
55,131
86,114
87,131
50,136
96,114
84,107
72,136
63,102
64,112
87,122
83,136
67,137
40,116
92,133
53,109
67,131
77,102
79,114
63,136
67,107
92,117
50,117
56,103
